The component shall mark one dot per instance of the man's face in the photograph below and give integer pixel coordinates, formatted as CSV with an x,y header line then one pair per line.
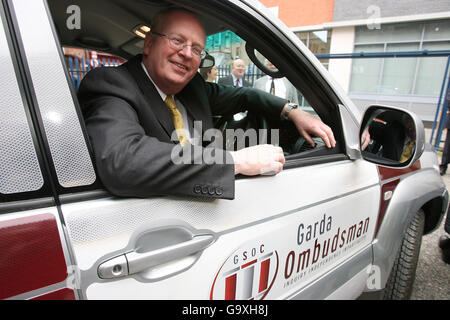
x,y
238,68
169,68
213,72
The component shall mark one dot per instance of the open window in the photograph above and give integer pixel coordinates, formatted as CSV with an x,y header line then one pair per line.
x,y
249,36
265,75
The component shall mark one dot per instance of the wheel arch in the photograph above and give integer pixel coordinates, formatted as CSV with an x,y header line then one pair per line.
x,y
434,212
429,194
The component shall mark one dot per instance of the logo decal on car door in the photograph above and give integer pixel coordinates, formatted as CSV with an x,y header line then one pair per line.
x,y
248,274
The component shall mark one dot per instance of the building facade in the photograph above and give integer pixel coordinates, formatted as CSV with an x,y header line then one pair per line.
x,y
348,26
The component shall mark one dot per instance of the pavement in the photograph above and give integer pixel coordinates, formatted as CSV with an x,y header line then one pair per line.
x,y
432,274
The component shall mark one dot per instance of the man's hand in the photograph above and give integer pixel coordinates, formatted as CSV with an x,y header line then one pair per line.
x,y
263,159
365,139
308,124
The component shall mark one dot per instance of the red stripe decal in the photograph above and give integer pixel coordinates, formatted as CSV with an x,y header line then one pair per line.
x,y
248,264
31,255
387,187
230,287
388,173
63,294
264,275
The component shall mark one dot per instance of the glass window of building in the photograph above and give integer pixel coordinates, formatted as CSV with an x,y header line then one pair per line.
x,y
317,41
401,76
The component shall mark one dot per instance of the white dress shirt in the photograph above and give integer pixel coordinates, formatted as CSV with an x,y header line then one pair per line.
x,y
280,88
234,81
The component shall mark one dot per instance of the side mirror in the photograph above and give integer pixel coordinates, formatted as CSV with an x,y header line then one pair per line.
x,y
207,61
391,136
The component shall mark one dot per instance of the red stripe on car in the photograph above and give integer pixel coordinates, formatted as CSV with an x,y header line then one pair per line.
x,y
63,294
388,173
31,255
386,187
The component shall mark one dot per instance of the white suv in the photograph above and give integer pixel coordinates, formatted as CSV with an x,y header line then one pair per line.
x,y
335,223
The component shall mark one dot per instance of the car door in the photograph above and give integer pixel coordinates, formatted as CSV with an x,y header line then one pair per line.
x,y
304,233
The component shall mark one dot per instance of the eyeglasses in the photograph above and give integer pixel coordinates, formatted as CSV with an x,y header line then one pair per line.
x,y
178,43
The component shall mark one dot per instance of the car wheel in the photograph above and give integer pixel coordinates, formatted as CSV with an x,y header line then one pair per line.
x,y
401,279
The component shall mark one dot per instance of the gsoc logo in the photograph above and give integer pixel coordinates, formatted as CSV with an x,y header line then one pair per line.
x,y
246,275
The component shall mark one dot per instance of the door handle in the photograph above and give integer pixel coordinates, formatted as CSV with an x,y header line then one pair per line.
x,y
135,262
141,261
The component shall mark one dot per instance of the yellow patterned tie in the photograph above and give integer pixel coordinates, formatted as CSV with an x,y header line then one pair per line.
x,y
407,152
177,120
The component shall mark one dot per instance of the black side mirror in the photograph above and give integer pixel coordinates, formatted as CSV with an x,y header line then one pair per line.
x,y
208,61
391,137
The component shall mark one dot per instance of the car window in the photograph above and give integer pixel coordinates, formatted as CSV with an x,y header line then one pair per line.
x,y
227,46
260,73
295,95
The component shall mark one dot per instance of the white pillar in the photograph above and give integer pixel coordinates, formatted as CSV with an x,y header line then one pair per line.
x,y
342,41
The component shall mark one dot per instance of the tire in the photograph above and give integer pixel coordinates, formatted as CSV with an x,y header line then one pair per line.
x,y
401,279
447,222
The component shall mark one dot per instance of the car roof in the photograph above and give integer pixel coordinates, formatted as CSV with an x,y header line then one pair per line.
x,y
108,26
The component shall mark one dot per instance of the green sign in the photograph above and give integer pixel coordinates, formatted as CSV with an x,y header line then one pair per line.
x,y
222,40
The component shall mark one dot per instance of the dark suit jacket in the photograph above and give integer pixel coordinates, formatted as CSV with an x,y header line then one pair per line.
x,y
391,136
447,119
130,129
446,152
228,81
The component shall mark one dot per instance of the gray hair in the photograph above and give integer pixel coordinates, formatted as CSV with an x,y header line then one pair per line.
x,y
161,16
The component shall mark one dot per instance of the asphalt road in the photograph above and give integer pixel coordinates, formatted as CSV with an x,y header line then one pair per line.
x,y
432,274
